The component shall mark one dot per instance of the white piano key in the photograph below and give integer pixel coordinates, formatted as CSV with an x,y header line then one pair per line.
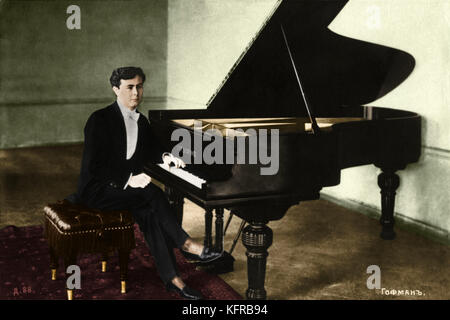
x,y
183,174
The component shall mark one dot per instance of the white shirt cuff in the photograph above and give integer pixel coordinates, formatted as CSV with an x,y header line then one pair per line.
x,y
131,174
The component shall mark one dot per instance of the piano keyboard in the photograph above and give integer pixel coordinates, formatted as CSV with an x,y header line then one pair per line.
x,y
185,175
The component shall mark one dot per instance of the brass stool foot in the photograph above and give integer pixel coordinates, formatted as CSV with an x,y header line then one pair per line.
x,y
103,266
123,287
69,294
53,274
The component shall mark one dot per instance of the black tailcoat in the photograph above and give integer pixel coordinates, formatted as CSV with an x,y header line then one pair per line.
x,y
104,160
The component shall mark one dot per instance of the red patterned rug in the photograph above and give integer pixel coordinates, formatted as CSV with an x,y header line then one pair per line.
x,y
25,272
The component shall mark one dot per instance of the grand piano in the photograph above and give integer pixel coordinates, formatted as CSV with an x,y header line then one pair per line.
x,y
301,81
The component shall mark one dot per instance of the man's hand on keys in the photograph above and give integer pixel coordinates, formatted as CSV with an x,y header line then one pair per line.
x,y
170,160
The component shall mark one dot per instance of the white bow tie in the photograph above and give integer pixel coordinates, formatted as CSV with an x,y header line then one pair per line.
x,y
133,115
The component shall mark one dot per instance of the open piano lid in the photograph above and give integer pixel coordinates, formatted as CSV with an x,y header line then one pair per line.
x,y
335,70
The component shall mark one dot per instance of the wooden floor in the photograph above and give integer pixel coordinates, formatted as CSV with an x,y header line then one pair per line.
x,y
320,250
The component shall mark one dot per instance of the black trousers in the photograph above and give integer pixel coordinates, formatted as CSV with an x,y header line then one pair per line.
x,y
156,220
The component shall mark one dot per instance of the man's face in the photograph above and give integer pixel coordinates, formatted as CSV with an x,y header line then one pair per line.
x,y
130,92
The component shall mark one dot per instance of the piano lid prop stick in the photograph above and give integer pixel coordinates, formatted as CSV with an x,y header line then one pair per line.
x,y
314,126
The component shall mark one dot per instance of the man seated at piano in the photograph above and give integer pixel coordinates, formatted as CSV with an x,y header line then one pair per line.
x,y
118,143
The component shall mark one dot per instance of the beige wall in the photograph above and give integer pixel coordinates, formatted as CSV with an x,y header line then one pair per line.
x,y
206,37
420,27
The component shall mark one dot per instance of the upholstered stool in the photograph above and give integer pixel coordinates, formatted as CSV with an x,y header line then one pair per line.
x,y
73,229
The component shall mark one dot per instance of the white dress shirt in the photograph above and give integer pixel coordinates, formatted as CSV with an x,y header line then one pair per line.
x,y
130,118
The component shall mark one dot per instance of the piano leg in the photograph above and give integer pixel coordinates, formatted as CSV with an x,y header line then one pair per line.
x,y
257,238
219,230
208,228
388,181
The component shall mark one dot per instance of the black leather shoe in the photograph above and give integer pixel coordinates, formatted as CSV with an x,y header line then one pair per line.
x,y
190,257
186,292
208,255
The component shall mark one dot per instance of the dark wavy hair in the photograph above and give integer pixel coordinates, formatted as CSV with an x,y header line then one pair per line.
x,y
125,73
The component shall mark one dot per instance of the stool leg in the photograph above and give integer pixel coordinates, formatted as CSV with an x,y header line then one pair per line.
x,y
70,259
53,262
104,260
124,255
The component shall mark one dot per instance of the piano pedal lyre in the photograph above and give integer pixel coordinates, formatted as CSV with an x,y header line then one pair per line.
x,y
238,235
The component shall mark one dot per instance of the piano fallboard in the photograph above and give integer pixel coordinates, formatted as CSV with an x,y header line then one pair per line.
x,y
200,198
